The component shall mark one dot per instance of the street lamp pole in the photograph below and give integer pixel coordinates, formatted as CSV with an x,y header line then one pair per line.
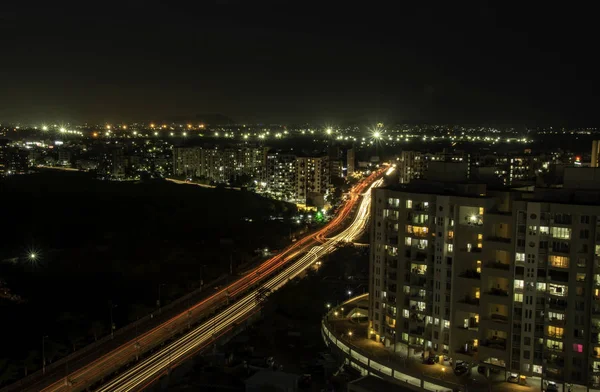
x,y
112,323
44,354
159,298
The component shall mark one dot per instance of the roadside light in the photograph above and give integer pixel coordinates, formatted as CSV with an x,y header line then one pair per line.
x,y
349,333
32,256
335,313
349,292
328,306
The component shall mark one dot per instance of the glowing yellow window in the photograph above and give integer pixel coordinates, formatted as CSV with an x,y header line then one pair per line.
x,y
479,266
479,237
477,294
475,342
476,318
480,210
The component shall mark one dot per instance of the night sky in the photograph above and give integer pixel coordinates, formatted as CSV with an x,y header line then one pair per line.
x,y
297,62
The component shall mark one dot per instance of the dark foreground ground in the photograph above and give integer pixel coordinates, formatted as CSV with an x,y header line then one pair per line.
x,y
101,245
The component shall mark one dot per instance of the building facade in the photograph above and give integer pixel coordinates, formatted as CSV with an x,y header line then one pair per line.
x,y
504,278
312,177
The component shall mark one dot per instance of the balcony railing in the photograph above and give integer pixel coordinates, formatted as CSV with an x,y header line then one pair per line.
x,y
504,240
498,265
470,351
499,317
469,300
498,292
497,343
470,274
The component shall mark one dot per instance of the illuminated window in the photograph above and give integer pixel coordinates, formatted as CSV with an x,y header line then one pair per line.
x,y
544,230
518,297
450,248
479,237
405,313
558,261
555,332
407,241
480,210
451,235
478,266
477,293
519,284
475,342
520,257
541,286
446,324
553,316
408,203
578,348
561,232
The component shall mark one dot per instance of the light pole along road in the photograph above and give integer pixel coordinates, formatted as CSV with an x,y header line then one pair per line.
x,y
271,274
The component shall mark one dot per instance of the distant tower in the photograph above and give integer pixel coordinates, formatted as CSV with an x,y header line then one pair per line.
x,y
350,161
595,153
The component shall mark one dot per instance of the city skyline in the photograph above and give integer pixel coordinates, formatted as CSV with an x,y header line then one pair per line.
x,y
259,63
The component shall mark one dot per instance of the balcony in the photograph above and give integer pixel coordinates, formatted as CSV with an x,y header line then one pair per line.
x,y
494,343
420,256
503,240
471,250
498,292
469,304
470,351
499,318
498,265
557,304
555,321
470,274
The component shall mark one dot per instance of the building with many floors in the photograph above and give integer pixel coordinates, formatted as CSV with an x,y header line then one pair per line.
x,y
508,278
219,164
312,178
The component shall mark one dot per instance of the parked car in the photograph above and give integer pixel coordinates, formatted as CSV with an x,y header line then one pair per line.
x,y
460,370
513,378
429,361
551,387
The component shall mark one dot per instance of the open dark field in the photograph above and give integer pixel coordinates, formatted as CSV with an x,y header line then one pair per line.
x,y
97,243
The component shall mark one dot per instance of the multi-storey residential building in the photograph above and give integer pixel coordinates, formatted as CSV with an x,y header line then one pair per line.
x,y
219,164
280,175
506,278
350,161
312,177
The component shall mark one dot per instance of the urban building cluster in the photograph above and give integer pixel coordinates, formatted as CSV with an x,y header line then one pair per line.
x,y
287,175
505,275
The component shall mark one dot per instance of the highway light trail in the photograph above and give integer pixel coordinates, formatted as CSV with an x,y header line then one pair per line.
x,y
271,274
152,367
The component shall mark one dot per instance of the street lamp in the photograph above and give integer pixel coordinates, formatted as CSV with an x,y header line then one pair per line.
x,y
328,306
112,324
349,293
159,298
32,256
335,313
44,354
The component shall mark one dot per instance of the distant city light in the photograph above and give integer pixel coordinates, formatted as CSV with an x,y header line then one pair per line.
x,y
44,128
32,256
376,134
329,131
62,130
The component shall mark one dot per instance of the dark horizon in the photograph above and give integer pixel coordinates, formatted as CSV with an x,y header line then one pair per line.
x,y
307,63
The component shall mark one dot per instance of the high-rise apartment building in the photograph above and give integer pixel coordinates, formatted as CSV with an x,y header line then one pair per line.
x,y
312,177
219,164
280,175
505,278
350,161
